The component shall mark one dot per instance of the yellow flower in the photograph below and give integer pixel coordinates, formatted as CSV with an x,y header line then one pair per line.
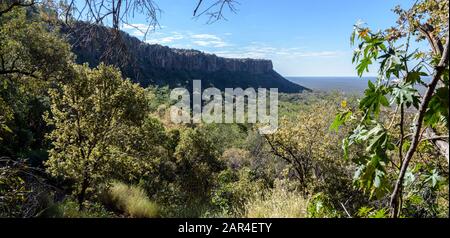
x,y
344,104
364,33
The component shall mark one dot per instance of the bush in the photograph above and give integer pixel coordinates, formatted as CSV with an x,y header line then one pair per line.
x,y
368,212
279,203
70,209
320,206
233,190
131,200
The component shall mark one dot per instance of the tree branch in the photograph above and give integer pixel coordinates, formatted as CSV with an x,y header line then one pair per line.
x,y
197,7
16,71
440,144
435,42
16,3
439,69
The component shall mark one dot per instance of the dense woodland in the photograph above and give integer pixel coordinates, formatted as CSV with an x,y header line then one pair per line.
x,y
81,141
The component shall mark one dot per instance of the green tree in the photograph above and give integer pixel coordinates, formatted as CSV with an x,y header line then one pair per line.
x,y
5,116
305,141
197,158
90,116
32,57
29,47
314,154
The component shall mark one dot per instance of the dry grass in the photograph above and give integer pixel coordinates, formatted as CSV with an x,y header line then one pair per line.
x,y
280,203
132,201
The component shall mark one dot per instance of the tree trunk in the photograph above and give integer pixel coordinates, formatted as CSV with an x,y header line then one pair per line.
x,y
82,193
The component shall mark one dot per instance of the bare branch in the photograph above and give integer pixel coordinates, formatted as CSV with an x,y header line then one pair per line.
x,y
113,12
197,7
215,11
10,4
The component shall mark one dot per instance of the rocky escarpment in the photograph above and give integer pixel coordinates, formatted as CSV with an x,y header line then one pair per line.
x,y
179,59
150,64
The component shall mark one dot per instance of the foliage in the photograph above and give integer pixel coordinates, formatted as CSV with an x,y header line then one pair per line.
x,y
69,209
31,58
367,212
234,189
13,190
320,206
306,142
389,149
111,150
197,163
5,117
24,192
91,115
28,48
313,153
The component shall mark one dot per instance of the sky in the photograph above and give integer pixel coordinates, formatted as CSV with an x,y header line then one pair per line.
x,y
302,38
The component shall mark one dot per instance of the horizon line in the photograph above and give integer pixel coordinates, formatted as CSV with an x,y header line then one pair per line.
x,y
327,76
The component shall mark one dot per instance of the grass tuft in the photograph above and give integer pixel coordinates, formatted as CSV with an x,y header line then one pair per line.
x,y
280,203
131,200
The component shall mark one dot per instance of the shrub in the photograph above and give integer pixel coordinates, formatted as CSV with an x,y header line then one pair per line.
x,y
368,212
320,206
233,190
70,209
131,200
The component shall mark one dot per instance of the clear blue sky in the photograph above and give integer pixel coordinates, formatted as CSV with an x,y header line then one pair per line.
x,y
302,38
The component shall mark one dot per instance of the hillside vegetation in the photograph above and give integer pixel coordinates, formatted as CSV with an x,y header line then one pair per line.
x,y
80,141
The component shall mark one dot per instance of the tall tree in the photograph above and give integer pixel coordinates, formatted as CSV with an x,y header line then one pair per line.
x,y
91,115
31,59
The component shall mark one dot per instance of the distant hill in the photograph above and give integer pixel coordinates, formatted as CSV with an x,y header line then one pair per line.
x,y
152,64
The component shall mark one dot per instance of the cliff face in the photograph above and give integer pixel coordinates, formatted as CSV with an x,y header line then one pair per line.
x,y
178,59
150,64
